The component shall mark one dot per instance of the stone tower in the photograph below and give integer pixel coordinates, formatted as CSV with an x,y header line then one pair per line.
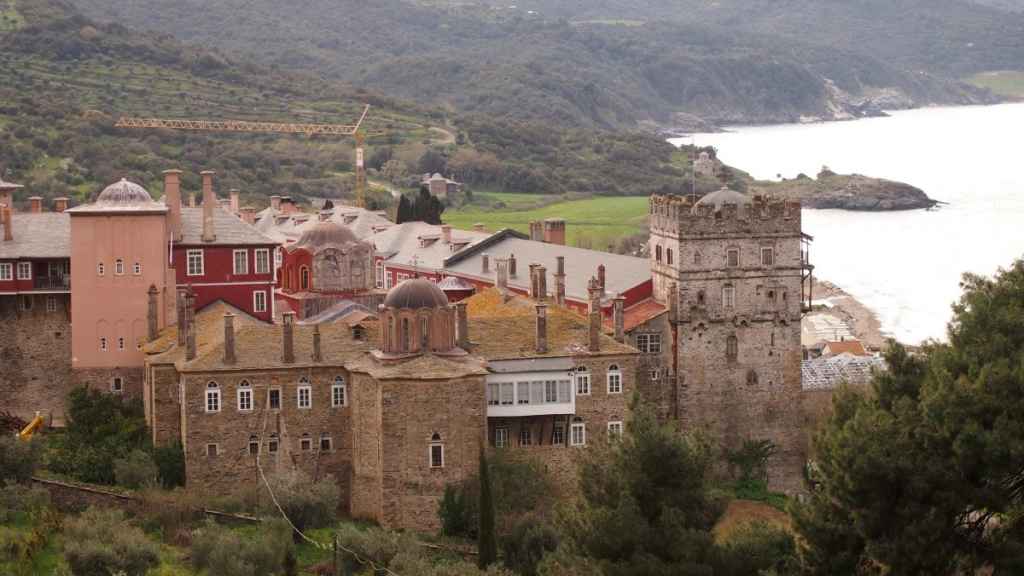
x,y
736,265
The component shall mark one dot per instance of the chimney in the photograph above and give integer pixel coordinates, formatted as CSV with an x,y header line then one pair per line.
x,y
60,204
233,195
478,227
172,198
275,203
248,215
560,281
619,318
486,264
289,338
179,301
554,231
151,314
601,278
229,338
512,265
594,332
533,282
462,325
36,204
446,234
317,352
190,325
542,283
287,204
8,232
536,231
673,303
501,272
542,328
209,200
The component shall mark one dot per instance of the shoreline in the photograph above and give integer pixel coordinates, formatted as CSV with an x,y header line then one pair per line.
x,y
861,320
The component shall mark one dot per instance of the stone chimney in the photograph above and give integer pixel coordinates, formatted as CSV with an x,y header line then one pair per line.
x,y
248,215
229,338
542,283
601,278
594,331
554,231
478,227
35,204
233,196
179,304
485,263
152,319
512,266
542,328
619,318
446,234
288,332
560,281
190,325
172,198
318,355
287,205
501,274
60,204
536,231
275,202
209,205
462,325
534,289
8,231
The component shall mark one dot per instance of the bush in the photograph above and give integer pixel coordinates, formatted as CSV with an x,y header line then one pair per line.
x,y
307,504
18,458
137,470
174,513
170,464
18,499
756,548
456,512
221,551
102,542
400,553
527,545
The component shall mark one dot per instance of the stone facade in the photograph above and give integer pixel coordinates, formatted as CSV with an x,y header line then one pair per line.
x,y
35,351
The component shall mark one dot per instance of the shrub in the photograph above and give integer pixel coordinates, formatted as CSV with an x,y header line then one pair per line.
x,y
103,542
18,458
137,470
756,548
527,545
307,504
221,551
400,553
170,464
17,499
174,513
455,512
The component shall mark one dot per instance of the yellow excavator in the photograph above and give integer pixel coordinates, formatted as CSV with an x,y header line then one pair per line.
x,y
36,423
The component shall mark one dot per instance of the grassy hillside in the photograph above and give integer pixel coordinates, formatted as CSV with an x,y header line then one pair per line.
x,y
1008,83
508,63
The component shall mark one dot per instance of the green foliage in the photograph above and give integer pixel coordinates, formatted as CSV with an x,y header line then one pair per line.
x,y
751,459
487,540
101,428
925,475
18,458
400,553
170,464
757,548
523,550
424,207
21,500
136,470
174,513
307,504
455,512
224,552
103,542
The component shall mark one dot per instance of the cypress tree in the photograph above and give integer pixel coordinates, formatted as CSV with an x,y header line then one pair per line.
x,y
487,543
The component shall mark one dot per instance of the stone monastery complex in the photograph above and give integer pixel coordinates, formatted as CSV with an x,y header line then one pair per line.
x,y
385,354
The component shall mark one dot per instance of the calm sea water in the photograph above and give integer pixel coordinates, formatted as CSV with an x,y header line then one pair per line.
x,y
906,266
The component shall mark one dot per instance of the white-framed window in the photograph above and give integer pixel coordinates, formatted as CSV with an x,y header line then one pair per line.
x,y
508,391
380,273
119,267
244,396
525,436
212,397
117,384
728,296
578,433
120,343
339,397
558,432
500,437
137,269
325,442
522,392
387,277
259,301
493,394
272,444
767,256
6,269
103,343
262,261
51,303
212,450
614,379
24,270
274,399
649,343
615,429
304,394
194,262
241,261
278,257
435,453
100,269
732,257
305,443
254,445
582,382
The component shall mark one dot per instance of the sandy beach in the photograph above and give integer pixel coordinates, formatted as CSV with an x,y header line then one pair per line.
x,y
836,310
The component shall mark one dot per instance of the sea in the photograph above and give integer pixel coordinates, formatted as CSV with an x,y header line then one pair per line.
x,y
906,266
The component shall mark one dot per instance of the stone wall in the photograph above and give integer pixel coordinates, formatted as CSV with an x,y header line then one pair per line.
x,y
655,373
35,353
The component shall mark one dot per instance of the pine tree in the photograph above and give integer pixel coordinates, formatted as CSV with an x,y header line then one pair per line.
x,y
487,543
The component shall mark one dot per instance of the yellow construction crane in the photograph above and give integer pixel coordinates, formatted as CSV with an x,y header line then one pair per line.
x,y
354,130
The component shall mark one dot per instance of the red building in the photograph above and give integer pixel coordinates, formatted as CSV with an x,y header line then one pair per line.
x,y
35,256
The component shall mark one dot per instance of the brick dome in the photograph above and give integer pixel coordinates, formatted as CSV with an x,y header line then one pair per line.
x,y
414,294
326,233
123,193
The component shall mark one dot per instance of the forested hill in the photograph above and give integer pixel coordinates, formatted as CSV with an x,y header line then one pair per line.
x,y
608,72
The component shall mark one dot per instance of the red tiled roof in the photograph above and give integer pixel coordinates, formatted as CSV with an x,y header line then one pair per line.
x,y
638,314
846,347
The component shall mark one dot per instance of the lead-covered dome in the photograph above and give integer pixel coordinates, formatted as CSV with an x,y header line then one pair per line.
x,y
124,193
721,197
415,294
326,233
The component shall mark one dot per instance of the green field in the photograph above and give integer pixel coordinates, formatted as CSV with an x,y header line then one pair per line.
x,y
594,222
1008,83
10,19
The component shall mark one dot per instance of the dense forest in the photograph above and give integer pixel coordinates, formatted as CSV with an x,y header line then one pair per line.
x,y
609,63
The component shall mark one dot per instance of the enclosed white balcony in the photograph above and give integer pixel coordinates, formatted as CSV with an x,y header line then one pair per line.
x,y
530,388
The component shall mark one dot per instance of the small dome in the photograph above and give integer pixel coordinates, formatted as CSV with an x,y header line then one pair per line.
x,y
124,193
416,293
325,233
720,197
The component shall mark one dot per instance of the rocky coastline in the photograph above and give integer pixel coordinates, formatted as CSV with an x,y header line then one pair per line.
x,y
846,192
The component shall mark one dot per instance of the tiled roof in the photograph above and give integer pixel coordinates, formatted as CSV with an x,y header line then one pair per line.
x,y
622,272
229,229
827,373
420,244
360,221
504,330
209,328
43,235
846,347
638,314
423,367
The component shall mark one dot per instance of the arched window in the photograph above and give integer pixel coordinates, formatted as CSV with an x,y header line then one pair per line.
x,y
304,278
436,451
700,297
254,445
696,258
119,267
424,333
614,379
137,269
751,378
272,443
339,396
212,397
325,442
657,253
100,269
582,381
244,396
731,347
578,432
405,335
668,256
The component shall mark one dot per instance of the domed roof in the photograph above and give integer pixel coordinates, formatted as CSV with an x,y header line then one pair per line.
x,y
720,197
416,293
124,193
324,233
